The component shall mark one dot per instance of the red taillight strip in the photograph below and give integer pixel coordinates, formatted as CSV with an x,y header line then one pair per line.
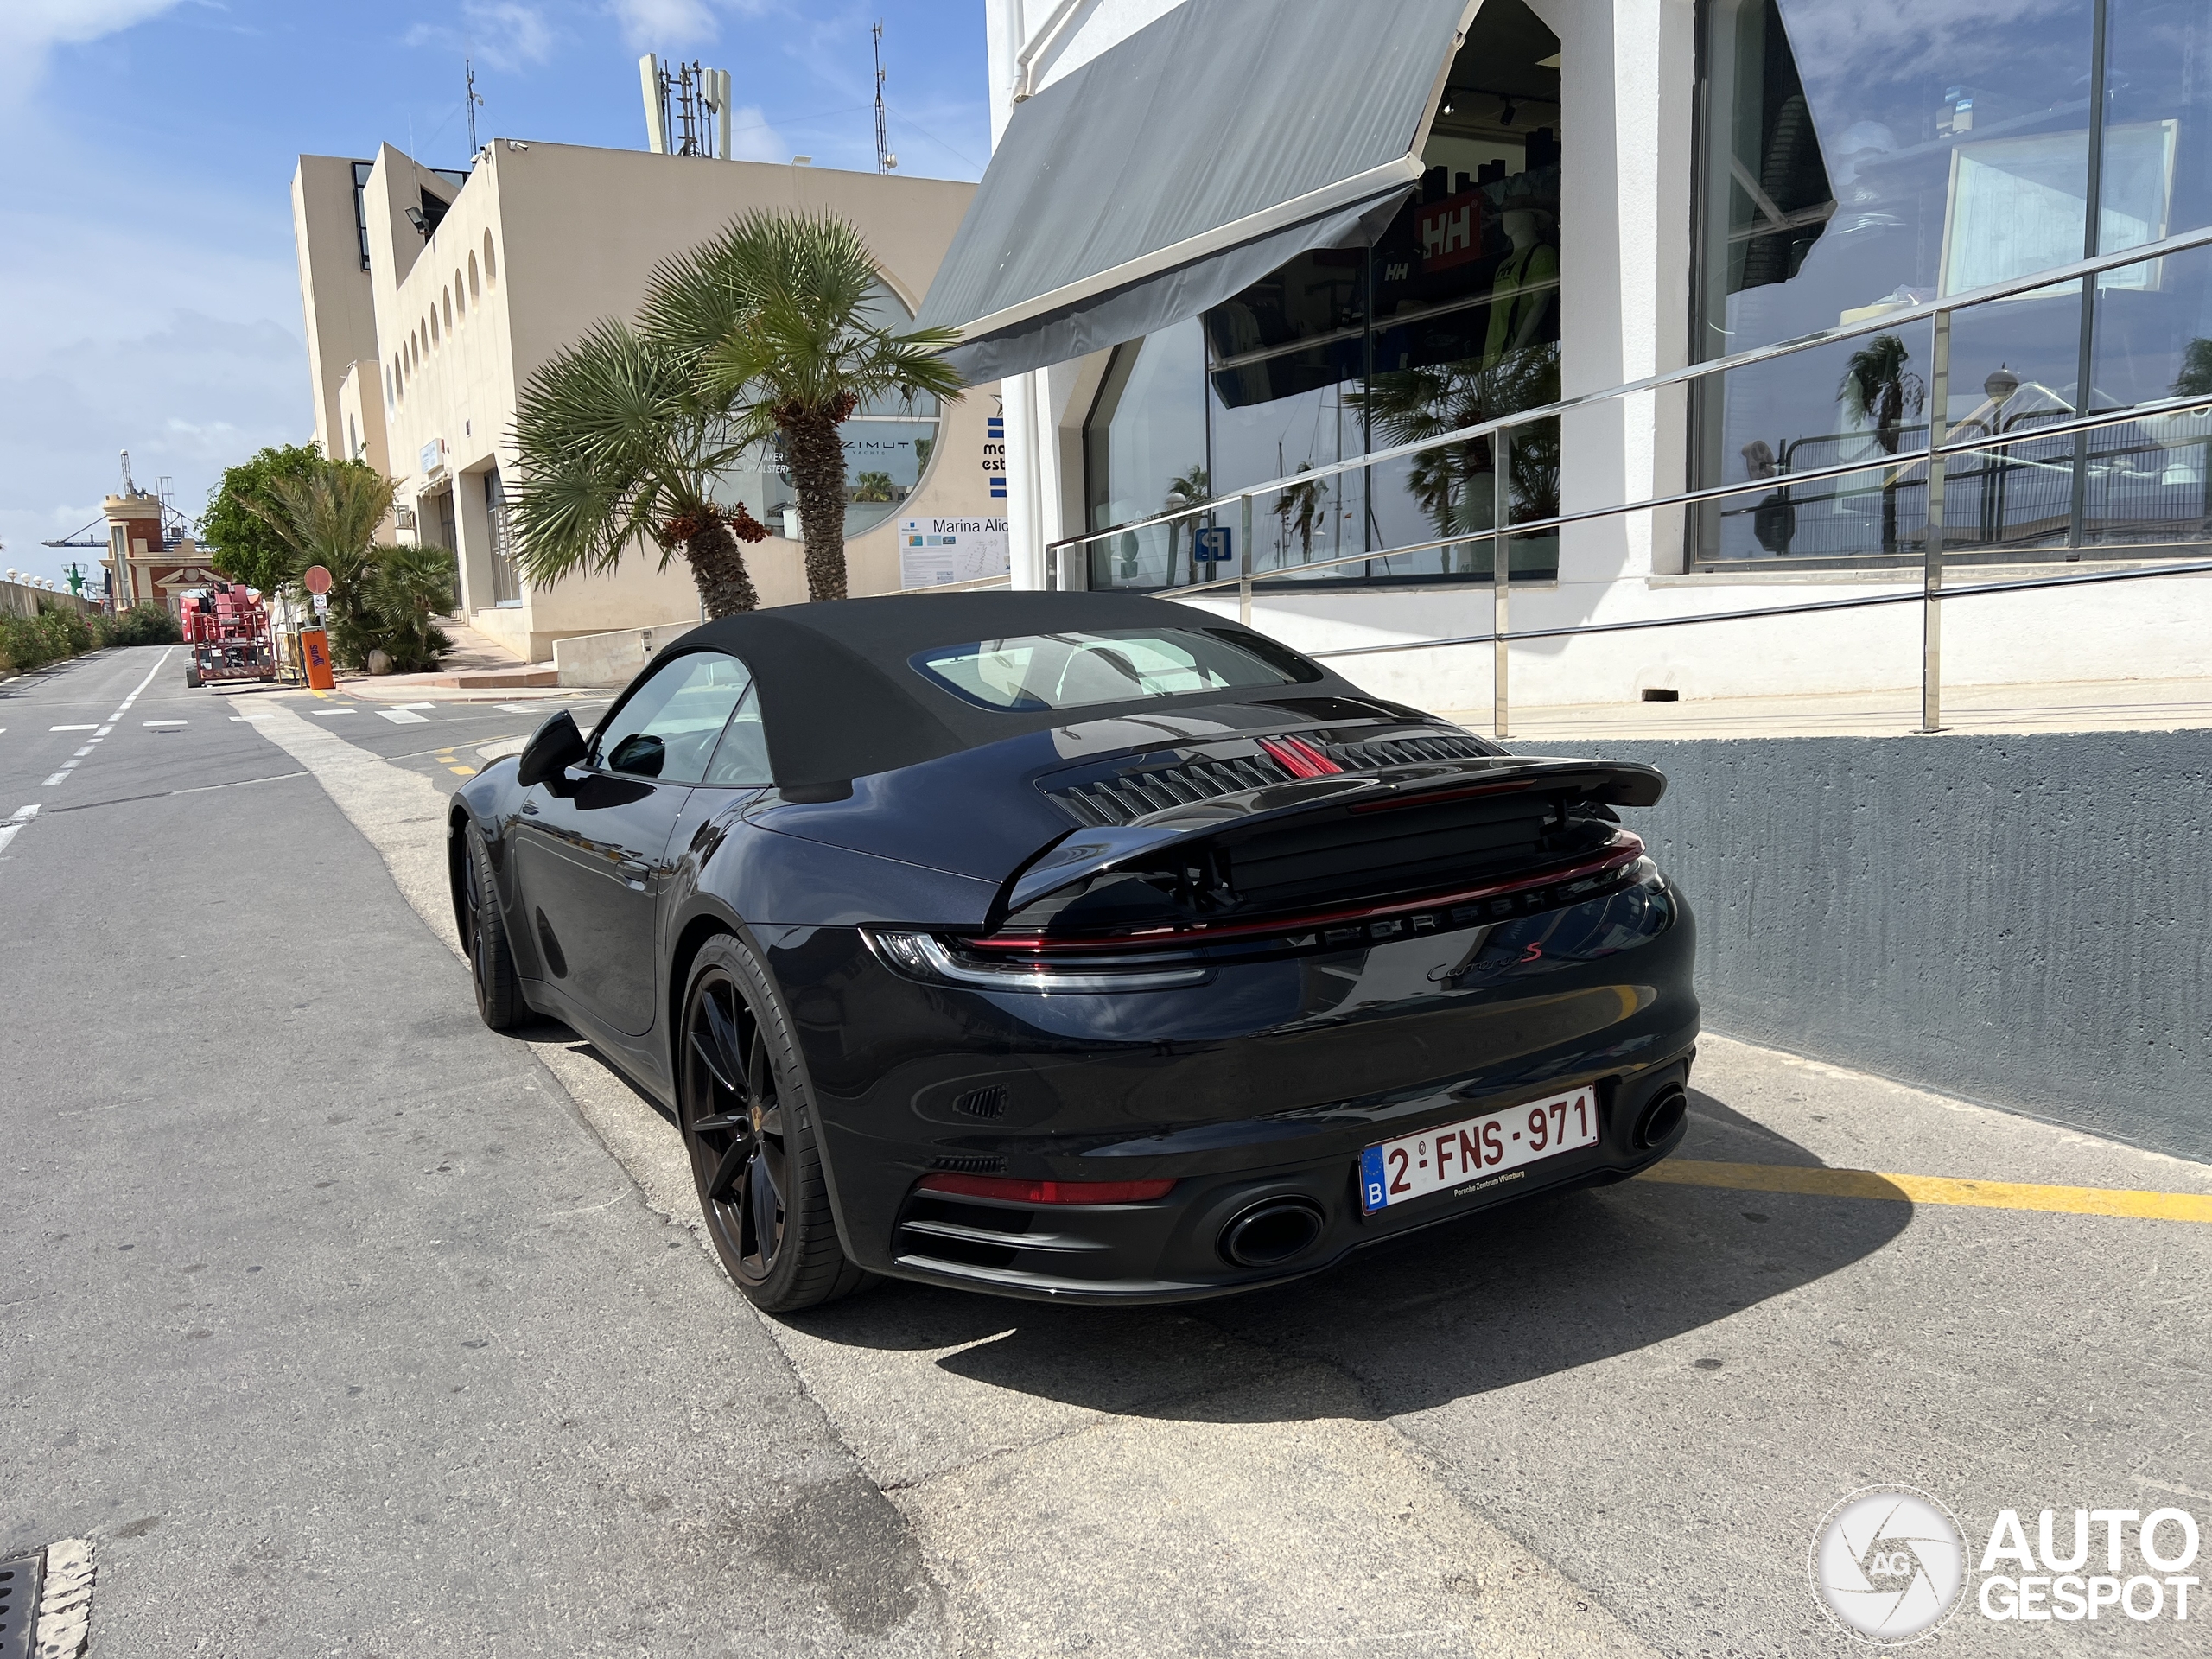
x,y
1018,1191
1625,848
1298,758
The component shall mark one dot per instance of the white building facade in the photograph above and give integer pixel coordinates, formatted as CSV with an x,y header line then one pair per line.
x,y
432,298
1595,193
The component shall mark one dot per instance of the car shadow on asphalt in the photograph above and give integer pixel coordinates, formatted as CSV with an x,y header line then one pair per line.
x,y
1516,1294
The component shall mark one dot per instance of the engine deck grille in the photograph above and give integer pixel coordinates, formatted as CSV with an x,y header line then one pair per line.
x,y
1123,800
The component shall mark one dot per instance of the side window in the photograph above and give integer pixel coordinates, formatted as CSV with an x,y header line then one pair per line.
x,y
742,760
669,727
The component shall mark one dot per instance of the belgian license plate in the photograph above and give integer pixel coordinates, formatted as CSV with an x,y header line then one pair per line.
x,y
1467,1157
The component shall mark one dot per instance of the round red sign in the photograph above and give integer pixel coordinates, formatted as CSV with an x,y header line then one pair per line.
x,y
316,579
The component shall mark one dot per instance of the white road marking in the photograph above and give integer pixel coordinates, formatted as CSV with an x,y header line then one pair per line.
x,y
330,711
70,728
87,750
104,731
406,716
23,816
516,708
142,684
164,723
59,778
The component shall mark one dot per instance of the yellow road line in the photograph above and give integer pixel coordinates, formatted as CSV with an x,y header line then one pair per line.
x,y
1935,1189
464,771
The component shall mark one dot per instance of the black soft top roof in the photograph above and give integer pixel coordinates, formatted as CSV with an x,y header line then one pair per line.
x,y
839,698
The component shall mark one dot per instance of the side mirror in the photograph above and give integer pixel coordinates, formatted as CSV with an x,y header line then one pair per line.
x,y
552,749
640,754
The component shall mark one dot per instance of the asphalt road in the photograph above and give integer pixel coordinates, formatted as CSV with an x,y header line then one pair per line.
x,y
343,1326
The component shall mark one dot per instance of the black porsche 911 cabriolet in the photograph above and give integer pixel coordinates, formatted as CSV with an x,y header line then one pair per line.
x,y
1080,946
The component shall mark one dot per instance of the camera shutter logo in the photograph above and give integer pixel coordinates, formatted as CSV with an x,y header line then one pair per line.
x,y
1889,1564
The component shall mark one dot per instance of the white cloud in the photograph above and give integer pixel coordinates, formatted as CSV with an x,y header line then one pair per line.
x,y
752,139
650,25
659,25
498,33
29,29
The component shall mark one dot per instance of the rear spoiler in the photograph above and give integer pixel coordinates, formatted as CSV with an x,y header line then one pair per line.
x,y
1084,853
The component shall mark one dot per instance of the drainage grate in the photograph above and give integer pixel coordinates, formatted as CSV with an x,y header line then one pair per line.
x,y
19,1586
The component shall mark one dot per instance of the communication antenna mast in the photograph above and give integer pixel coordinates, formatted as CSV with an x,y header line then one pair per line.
x,y
687,108
475,102
885,160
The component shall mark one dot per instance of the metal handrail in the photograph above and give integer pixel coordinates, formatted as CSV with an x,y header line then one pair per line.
x,y
1973,590
2055,277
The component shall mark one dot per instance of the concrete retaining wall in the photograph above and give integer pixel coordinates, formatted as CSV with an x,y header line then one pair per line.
x,y
2024,921
21,599
611,658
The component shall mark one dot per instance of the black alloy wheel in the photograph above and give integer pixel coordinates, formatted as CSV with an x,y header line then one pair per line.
x,y
747,1126
484,936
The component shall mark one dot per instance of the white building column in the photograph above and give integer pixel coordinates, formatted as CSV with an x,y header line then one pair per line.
x,y
1627,88
1031,477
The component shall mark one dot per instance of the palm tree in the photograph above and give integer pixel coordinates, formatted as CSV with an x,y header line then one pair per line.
x,y
403,589
1455,484
329,517
619,444
779,310
1879,391
1300,507
381,598
1187,490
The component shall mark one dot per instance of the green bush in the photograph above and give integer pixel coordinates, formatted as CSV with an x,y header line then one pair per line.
x,y
22,647
29,642
387,604
144,624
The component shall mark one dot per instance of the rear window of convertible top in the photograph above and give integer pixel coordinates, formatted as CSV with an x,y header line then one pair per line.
x,y
1036,671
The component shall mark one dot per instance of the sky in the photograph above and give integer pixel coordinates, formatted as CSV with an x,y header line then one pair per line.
x,y
148,296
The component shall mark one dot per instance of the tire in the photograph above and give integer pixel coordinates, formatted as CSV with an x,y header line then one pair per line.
x,y
747,1116
491,959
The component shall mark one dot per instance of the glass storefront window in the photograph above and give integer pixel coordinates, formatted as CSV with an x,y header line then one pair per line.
x,y
1146,454
1847,169
888,442
1452,317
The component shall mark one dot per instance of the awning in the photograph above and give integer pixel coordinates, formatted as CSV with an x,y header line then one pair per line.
x,y
1182,165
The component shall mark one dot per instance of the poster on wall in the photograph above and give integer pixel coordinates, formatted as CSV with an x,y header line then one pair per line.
x,y
934,551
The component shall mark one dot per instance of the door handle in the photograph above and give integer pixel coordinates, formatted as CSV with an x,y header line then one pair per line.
x,y
634,872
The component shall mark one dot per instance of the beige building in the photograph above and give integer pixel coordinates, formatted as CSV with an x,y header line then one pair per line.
x,y
431,297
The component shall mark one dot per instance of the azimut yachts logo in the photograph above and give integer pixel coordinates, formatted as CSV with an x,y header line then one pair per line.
x,y
1888,1563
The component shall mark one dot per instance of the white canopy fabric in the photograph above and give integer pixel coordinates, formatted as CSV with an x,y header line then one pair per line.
x,y
1182,165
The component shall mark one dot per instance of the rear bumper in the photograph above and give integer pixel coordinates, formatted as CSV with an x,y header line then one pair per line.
x,y
1171,1250
1265,1082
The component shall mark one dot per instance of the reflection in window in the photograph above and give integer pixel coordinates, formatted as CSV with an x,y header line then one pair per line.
x,y
889,443
1958,143
1450,318
670,727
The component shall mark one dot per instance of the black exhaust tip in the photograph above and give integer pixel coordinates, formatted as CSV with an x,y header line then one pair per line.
x,y
1662,1117
1270,1234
